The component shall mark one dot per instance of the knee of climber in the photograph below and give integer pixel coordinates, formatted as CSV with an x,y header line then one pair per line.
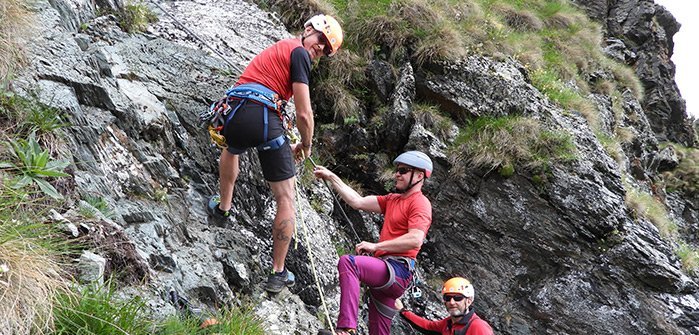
x,y
346,262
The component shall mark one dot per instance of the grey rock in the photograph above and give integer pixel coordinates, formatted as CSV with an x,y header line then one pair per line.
x,y
64,223
550,253
91,268
479,86
382,78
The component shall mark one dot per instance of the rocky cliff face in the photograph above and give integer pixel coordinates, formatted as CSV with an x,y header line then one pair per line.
x,y
563,256
639,32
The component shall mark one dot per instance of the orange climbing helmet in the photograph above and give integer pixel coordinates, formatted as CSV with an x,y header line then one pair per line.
x,y
458,285
330,28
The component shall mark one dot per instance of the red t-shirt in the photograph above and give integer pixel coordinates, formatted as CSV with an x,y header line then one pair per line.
x,y
402,214
272,68
476,325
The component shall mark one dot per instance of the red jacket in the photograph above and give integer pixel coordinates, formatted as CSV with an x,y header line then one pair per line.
x,y
470,324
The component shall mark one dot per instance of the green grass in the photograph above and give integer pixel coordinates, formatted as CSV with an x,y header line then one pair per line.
x,y
32,253
95,310
685,177
510,143
612,146
135,17
239,321
22,116
643,204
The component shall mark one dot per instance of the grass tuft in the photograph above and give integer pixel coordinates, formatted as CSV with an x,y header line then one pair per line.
x,y
685,177
689,256
241,321
433,120
30,275
15,24
135,17
95,310
493,143
645,205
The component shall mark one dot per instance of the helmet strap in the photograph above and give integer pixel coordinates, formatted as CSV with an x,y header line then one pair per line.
x,y
410,183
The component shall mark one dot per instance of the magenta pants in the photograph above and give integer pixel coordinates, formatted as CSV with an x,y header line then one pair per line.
x,y
372,272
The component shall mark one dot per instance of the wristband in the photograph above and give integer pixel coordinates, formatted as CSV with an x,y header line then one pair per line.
x,y
306,146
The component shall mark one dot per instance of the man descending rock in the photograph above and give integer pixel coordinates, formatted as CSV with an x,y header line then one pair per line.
x,y
253,119
389,272
457,294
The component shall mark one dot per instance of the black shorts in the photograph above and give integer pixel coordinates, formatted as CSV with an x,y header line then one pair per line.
x,y
246,130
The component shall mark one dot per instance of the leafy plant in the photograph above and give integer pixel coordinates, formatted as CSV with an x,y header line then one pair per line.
x,y
96,203
33,165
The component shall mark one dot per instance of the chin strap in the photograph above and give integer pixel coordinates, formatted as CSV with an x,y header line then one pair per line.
x,y
410,183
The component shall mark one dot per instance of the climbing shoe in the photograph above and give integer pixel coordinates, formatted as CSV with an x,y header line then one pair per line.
x,y
215,212
278,280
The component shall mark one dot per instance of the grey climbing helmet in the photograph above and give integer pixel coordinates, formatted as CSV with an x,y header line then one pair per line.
x,y
417,160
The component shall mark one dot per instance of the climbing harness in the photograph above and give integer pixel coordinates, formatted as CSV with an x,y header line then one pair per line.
x,y
221,112
414,291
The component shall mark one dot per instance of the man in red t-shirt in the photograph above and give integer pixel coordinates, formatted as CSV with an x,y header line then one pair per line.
x,y
407,218
253,121
457,294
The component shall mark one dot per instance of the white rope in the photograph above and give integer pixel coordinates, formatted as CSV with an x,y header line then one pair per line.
x,y
310,257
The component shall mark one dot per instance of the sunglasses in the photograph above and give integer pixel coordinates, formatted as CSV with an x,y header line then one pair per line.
x,y
403,170
456,298
327,50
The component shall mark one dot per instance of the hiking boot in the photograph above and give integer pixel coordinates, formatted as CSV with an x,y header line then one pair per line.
x,y
278,280
216,212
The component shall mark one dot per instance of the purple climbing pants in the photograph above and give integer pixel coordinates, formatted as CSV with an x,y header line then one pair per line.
x,y
372,272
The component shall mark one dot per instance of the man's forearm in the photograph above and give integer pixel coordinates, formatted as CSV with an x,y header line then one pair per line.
x,y
405,242
305,124
347,194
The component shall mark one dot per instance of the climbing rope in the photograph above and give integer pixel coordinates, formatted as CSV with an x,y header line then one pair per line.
x,y
194,36
310,257
337,202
